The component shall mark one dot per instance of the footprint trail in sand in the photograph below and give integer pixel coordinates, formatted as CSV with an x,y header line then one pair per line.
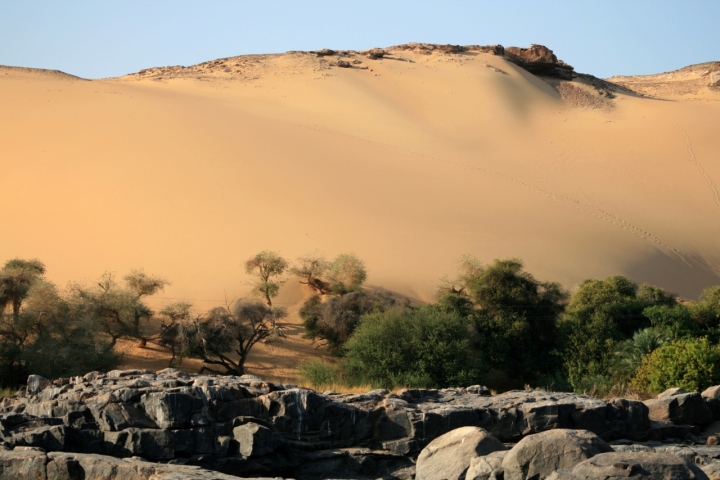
x,y
688,146
564,199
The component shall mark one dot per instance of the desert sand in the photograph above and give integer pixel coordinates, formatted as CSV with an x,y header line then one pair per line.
x,y
409,161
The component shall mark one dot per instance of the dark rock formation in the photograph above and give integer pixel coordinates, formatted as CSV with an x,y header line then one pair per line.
x,y
680,408
494,49
537,59
325,52
244,426
375,53
37,465
540,60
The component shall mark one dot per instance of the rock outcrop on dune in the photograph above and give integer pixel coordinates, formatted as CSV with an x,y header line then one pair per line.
x,y
540,60
245,426
715,79
536,59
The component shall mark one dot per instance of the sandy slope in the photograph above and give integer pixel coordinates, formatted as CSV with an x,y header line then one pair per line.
x,y
408,164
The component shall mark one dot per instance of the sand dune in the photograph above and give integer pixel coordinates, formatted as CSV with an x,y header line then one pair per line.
x,y
410,164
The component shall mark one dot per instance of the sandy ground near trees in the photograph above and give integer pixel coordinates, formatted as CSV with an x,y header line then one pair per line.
x,y
409,164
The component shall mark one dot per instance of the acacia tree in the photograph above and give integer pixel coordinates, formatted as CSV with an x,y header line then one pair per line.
x,y
221,334
468,267
173,327
311,269
16,278
268,268
346,273
121,311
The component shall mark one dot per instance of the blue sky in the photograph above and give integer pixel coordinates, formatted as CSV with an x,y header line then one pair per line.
x,y
105,38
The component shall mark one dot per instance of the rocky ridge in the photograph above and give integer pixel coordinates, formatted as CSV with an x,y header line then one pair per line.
x,y
247,427
684,81
537,59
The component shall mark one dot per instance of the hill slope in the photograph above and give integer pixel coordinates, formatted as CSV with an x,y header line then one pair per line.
x,y
409,163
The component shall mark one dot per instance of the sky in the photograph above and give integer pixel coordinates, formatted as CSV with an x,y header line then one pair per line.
x,y
105,38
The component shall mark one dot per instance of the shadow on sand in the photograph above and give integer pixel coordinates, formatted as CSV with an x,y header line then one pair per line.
x,y
686,276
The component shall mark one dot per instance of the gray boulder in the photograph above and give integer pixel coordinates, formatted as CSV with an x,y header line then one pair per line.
x,y
680,409
22,464
488,467
449,456
712,398
296,411
671,392
119,416
36,384
712,470
537,456
153,445
170,409
636,465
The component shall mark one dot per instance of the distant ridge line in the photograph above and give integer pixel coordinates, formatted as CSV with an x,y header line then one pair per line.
x,y
44,71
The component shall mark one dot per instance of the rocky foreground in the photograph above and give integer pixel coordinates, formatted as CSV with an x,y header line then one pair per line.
x,y
136,424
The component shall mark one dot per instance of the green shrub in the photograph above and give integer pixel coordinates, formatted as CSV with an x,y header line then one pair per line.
x,y
421,347
628,355
594,385
676,321
692,364
318,373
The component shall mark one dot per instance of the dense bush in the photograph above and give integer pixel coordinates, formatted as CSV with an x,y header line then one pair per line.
x,y
46,333
706,312
513,314
629,354
691,363
419,347
333,321
674,321
319,373
600,315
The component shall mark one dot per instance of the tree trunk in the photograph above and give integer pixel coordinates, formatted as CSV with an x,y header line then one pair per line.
x,y
16,310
